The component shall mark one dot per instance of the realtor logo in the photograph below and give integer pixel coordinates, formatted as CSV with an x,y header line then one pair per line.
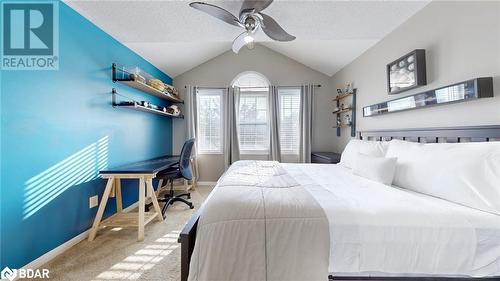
x,y
30,35
8,273
24,273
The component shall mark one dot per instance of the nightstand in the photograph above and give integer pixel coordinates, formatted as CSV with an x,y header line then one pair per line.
x,y
325,157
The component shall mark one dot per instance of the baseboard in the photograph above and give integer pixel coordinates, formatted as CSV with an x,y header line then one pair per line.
x,y
45,258
212,183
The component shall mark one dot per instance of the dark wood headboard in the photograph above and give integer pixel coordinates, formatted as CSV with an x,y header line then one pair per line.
x,y
434,135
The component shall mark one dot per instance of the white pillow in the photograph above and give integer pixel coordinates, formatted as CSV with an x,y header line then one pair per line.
x,y
370,148
464,173
379,169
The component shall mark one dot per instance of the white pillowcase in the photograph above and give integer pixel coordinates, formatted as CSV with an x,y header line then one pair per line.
x,y
379,169
464,173
370,148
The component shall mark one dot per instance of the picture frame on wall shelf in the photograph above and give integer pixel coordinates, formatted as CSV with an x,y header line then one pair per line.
x,y
407,72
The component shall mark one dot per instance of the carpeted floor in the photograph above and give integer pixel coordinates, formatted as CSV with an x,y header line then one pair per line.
x,y
116,254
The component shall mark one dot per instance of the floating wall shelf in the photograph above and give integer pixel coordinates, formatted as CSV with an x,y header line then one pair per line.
x,y
136,106
459,92
123,75
351,109
342,96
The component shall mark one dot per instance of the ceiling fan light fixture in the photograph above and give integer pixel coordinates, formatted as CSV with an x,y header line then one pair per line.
x,y
250,18
250,41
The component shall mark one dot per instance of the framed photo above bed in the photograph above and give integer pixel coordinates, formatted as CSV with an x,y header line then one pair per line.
x,y
407,72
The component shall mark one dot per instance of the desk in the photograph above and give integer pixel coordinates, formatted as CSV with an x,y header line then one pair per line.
x,y
144,171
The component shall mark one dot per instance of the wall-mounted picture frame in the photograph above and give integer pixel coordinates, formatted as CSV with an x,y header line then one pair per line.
x,y
407,72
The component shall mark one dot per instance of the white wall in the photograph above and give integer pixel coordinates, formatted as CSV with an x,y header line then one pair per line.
x,y
462,41
280,70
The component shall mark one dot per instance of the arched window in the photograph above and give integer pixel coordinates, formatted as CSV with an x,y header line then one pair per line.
x,y
251,80
253,112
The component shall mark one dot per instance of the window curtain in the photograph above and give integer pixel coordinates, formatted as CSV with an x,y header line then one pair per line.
x,y
274,118
306,121
231,117
191,119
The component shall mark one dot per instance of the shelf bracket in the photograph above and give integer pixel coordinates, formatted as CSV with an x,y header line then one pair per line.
x,y
113,97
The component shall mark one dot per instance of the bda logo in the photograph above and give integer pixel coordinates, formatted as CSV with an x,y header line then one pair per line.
x,y
30,35
8,273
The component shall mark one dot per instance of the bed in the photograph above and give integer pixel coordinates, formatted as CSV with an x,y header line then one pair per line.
x,y
348,227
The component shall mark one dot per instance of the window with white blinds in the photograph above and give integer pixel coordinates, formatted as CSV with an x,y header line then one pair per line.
x,y
210,120
289,100
253,121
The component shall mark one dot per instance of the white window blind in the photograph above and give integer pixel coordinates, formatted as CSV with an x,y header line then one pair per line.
x,y
289,120
253,123
210,126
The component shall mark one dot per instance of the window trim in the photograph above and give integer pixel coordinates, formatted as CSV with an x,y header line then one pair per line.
x,y
222,123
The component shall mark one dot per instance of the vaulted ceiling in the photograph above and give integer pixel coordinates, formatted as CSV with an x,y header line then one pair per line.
x,y
176,38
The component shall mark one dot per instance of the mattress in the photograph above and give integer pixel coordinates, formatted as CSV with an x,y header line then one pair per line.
x,y
379,230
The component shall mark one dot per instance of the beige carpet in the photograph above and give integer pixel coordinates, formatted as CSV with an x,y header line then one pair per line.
x,y
116,254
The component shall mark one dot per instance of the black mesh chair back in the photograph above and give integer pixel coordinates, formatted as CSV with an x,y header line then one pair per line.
x,y
185,158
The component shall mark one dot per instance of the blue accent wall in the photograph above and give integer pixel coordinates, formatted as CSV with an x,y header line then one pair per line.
x,y
58,129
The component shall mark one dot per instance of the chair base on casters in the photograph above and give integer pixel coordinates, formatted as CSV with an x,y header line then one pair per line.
x,y
170,199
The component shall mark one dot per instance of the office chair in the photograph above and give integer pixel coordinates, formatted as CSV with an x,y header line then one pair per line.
x,y
178,171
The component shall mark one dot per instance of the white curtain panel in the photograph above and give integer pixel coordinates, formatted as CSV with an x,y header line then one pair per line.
x,y
231,117
274,135
306,121
190,119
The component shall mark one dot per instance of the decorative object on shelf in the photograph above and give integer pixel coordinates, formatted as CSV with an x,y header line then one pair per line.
x,y
157,84
407,72
137,77
143,106
339,92
349,120
348,87
143,81
174,110
171,90
464,91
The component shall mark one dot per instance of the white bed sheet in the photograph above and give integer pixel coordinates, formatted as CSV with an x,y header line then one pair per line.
x,y
381,230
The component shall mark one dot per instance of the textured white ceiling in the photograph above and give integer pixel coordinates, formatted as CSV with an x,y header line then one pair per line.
x,y
176,38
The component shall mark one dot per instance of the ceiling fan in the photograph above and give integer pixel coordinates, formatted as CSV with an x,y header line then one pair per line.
x,y
250,19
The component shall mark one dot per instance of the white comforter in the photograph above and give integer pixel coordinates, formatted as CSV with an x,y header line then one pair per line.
x,y
259,224
373,229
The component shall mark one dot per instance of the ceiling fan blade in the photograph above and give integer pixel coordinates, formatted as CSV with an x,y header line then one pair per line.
x,y
274,30
216,11
239,42
255,5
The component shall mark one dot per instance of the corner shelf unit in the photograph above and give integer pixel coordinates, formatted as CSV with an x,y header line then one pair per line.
x,y
123,75
351,109
136,106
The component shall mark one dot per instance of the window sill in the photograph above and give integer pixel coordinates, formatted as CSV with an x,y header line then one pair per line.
x,y
209,153
290,153
254,152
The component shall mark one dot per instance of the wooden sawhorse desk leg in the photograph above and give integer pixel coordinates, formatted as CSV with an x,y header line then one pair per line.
x,y
102,206
154,199
145,190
